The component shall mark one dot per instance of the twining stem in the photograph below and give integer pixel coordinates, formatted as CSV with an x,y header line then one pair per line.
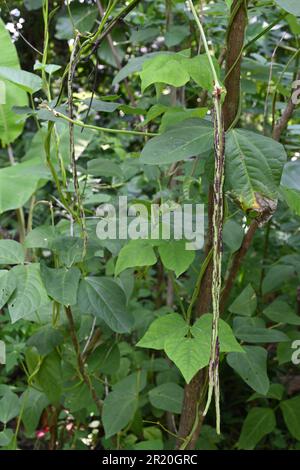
x,y
80,123
217,222
80,362
80,208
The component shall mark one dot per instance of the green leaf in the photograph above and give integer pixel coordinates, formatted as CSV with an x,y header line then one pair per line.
x,y
61,284
259,423
167,69
6,437
254,165
68,249
104,168
256,334
135,64
120,405
30,293
11,252
118,410
41,237
134,254
161,329
105,299
245,303
7,286
188,354
105,359
167,397
26,81
280,312
19,182
49,377
252,367
175,257
202,331
10,124
34,404
184,140
175,35
290,185
233,235
46,339
9,407
33,4
200,71
276,276
172,116
291,413
291,6
275,392
83,18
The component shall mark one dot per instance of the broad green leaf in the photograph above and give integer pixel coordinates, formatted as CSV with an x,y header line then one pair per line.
x,y
120,405
275,392
83,18
245,303
81,399
176,34
172,116
167,397
187,139
252,367
7,286
105,359
104,168
134,254
10,125
41,237
233,235
68,249
188,354
291,413
202,331
280,312
49,377
167,69
19,182
135,64
256,334
103,106
291,6
259,423
27,81
46,339
6,437
105,299
30,293
61,284
9,407
276,276
161,329
119,408
33,4
11,252
175,257
152,444
254,165
200,71
34,403
290,185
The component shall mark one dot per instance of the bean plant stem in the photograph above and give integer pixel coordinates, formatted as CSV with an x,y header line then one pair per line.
x,y
219,143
